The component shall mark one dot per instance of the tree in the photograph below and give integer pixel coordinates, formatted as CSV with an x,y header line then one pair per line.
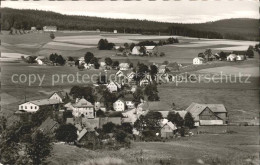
x,y
120,136
60,60
88,56
53,57
108,61
153,71
70,58
31,59
152,92
127,127
115,64
66,133
42,114
39,148
208,53
222,56
86,92
138,95
132,46
126,45
102,44
250,52
189,120
175,118
109,127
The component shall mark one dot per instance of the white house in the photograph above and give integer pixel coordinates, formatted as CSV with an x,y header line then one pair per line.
x,y
115,31
33,28
35,105
240,58
136,50
83,108
60,96
113,86
232,57
49,28
119,105
123,66
41,60
162,69
81,60
198,60
151,49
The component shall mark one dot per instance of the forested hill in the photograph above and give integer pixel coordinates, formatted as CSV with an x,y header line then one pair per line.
x,y
245,29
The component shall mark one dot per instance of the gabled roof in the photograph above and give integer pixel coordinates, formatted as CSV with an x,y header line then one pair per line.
x,y
181,113
48,125
149,47
128,97
195,109
45,102
120,99
81,134
200,58
83,103
169,123
62,94
41,58
232,55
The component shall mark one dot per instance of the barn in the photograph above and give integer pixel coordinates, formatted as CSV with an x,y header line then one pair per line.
x,y
208,114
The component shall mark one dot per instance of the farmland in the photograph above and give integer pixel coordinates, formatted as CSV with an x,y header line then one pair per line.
x,y
240,146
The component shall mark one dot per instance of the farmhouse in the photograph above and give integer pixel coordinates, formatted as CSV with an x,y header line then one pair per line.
x,y
151,49
198,60
113,86
41,60
115,31
88,138
123,66
49,28
33,28
35,105
119,105
49,126
232,57
83,108
208,114
167,129
60,96
136,51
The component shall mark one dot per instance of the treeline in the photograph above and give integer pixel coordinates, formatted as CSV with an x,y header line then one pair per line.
x,y
228,29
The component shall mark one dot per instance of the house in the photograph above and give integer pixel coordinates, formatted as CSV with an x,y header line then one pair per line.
x,y
240,57
231,57
151,50
50,28
90,123
145,81
125,76
83,108
198,60
167,129
60,96
129,101
208,114
81,60
136,51
41,60
35,105
162,69
33,28
113,86
130,116
49,126
124,66
88,138
119,105
115,31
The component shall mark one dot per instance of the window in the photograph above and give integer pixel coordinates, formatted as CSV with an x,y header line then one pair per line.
x,y
21,107
35,107
25,107
31,107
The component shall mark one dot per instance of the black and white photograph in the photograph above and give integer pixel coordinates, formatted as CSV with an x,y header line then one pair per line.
x,y
164,82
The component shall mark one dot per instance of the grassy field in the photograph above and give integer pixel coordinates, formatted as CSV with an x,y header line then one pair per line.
x,y
239,148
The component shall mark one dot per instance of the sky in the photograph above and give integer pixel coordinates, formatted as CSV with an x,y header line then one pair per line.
x,y
181,11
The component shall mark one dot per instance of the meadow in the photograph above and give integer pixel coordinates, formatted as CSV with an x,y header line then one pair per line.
x,y
237,148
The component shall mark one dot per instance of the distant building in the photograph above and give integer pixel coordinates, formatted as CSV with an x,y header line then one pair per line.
x,y
41,60
35,105
167,129
136,51
83,108
119,105
88,138
113,86
240,57
123,66
115,31
33,28
208,114
162,69
49,126
198,60
151,50
232,57
60,95
50,28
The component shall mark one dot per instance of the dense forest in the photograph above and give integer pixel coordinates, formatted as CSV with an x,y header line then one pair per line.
x,y
244,29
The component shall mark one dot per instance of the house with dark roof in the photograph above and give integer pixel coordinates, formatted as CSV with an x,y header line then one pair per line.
x,y
49,126
88,138
208,114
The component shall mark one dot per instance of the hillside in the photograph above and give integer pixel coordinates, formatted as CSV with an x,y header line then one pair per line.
x,y
243,29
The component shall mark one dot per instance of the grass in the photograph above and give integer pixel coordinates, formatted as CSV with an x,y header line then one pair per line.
x,y
229,149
